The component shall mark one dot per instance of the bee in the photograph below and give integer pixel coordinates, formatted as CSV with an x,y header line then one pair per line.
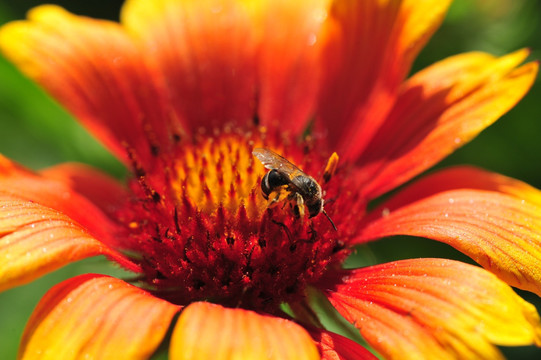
x,y
300,188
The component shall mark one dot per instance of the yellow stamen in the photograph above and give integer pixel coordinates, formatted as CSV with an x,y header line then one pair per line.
x,y
330,169
221,172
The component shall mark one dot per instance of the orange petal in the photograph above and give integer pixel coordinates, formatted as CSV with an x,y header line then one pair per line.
x,y
103,190
22,184
460,177
208,331
206,52
35,240
96,317
499,231
45,225
261,56
289,65
336,347
371,46
95,70
435,309
440,109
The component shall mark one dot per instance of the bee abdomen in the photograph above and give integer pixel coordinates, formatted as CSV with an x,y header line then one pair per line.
x,y
271,181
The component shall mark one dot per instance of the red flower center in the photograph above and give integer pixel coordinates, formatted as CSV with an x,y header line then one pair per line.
x,y
200,226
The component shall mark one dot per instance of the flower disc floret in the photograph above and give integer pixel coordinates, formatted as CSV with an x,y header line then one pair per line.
x,y
205,232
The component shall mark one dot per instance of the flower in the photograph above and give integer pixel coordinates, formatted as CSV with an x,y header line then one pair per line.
x,y
184,92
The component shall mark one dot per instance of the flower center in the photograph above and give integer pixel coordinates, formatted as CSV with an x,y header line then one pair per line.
x,y
201,227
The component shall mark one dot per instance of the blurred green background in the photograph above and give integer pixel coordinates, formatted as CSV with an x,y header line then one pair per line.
x,y
37,133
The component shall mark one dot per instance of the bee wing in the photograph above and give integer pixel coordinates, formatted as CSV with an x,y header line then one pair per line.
x,y
273,161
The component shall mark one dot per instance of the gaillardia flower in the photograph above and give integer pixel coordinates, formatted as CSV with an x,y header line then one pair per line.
x,y
185,93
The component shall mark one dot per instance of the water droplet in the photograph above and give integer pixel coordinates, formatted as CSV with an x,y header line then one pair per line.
x,y
385,212
458,140
215,9
451,201
118,60
320,15
312,39
69,299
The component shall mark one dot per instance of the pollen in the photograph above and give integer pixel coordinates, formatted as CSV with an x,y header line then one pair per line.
x,y
200,227
220,173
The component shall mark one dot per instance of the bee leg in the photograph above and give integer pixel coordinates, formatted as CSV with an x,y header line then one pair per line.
x,y
273,200
298,209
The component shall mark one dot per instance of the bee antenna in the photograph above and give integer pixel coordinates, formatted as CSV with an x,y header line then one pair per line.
x,y
330,220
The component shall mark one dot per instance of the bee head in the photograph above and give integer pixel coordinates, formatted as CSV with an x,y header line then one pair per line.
x,y
314,206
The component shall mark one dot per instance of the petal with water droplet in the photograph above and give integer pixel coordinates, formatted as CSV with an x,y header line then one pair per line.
x,y
434,309
95,316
